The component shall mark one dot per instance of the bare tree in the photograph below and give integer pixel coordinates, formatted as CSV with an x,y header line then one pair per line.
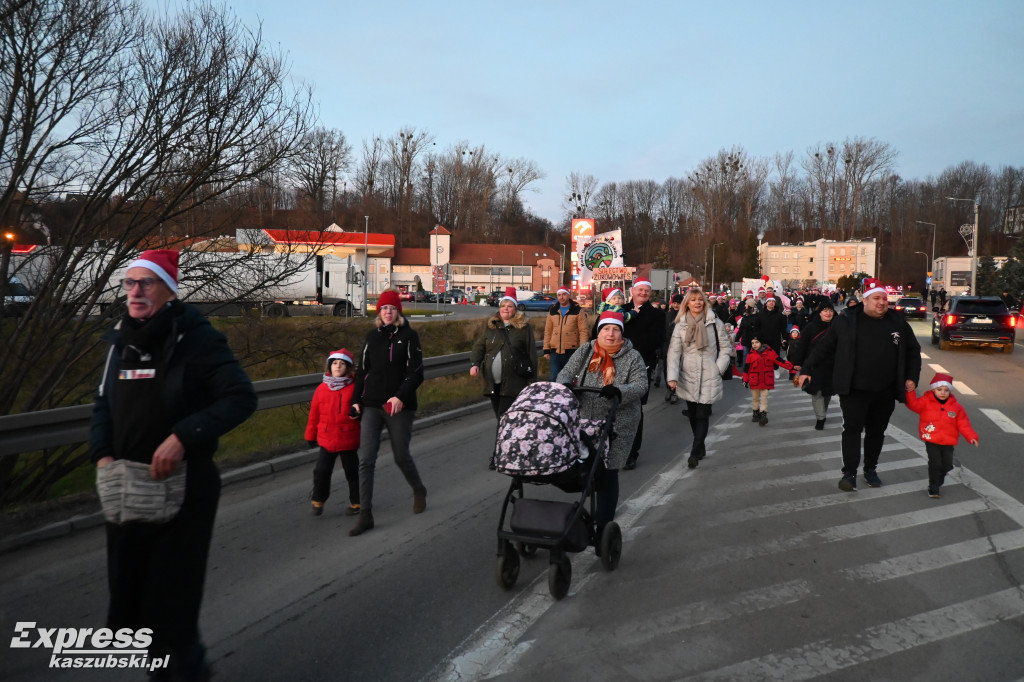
x,y
864,160
145,121
402,154
369,171
580,188
323,155
517,177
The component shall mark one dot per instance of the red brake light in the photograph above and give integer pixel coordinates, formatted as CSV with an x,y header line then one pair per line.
x,y
1013,320
950,319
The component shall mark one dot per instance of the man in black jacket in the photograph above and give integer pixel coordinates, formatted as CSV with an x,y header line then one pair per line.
x,y
170,388
770,326
646,330
877,359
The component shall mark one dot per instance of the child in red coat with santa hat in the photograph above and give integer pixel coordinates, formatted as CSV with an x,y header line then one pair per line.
x,y
332,426
943,421
759,376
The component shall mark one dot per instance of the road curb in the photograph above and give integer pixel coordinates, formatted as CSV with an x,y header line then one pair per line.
x,y
246,473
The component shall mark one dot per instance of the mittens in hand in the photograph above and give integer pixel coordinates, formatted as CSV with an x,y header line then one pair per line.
x,y
611,391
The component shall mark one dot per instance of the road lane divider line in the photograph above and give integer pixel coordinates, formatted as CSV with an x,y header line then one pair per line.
x,y
832,655
1001,420
962,388
938,369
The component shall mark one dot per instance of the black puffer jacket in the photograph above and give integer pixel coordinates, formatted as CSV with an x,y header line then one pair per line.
x,y
770,327
815,331
391,365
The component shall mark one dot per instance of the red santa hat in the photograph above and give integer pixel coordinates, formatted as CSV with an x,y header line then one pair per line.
x,y
342,354
389,297
796,331
610,317
563,290
609,292
872,286
941,379
161,262
643,283
760,290
510,295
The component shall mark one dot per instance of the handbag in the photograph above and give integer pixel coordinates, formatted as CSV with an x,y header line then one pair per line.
x,y
521,364
129,494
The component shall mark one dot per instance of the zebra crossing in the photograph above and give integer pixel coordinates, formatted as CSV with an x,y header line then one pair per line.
x,y
756,567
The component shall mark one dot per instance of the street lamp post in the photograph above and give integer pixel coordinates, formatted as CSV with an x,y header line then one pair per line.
x,y
928,265
366,265
713,263
561,268
522,264
490,276
921,222
974,245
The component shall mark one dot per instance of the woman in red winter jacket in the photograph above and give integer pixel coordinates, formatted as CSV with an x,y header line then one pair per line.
x,y
759,376
943,421
332,427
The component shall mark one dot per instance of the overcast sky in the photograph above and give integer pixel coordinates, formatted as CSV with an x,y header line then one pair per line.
x,y
646,90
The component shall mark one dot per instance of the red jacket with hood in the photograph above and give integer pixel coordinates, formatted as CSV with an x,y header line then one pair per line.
x,y
941,424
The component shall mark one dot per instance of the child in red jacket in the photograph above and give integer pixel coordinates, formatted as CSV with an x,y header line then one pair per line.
x,y
943,421
332,427
759,376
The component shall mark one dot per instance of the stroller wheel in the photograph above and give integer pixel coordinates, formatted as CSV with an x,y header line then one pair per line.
x,y
560,577
508,567
527,550
611,546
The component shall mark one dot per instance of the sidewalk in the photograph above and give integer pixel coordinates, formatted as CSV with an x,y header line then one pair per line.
x,y
754,566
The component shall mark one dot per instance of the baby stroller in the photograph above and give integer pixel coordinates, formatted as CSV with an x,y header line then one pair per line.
x,y
543,441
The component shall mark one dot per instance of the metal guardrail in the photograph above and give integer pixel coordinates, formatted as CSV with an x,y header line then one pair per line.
x,y
30,431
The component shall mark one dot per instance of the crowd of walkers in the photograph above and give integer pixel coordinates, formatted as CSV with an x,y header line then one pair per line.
x,y
171,387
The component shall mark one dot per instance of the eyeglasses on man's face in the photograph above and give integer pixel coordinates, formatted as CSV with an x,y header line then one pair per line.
x,y
147,283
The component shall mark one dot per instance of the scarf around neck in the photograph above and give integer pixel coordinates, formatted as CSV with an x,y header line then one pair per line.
x,y
603,362
336,383
695,334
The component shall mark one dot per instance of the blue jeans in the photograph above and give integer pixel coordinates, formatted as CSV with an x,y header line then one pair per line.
x,y
557,361
400,429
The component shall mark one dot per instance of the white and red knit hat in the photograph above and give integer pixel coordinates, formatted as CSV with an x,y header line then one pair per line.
x,y
161,262
510,295
872,286
341,354
941,379
610,317
609,292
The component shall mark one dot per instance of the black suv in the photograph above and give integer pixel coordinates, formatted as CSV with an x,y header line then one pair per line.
x,y
977,320
494,297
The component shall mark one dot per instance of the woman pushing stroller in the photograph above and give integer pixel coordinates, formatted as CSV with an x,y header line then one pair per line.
x,y
610,363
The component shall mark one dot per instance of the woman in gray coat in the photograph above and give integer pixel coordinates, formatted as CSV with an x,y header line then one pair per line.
x,y
506,332
610,363
698,354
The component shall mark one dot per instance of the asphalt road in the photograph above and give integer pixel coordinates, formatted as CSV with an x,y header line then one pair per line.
x,y
753,566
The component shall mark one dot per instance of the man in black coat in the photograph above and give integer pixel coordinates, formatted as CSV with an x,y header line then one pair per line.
x,y
770,325
170,389
646,330
877,360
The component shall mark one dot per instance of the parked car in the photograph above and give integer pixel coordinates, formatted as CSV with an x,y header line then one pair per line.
x,y
537,302
405,296
423,296
975,320
458,295
912,306
494,297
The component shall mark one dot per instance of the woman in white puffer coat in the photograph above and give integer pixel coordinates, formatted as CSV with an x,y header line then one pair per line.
x,y
698,354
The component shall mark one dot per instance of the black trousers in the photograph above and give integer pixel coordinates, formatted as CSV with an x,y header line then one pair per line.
x,y
325,468
700,422
940,462
156,572
864,412
638,439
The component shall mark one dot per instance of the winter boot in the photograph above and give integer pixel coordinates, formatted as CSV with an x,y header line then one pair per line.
x,y
757,417
419,500
764,419
819,425
364,523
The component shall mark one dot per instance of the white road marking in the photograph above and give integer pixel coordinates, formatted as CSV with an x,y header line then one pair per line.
x,y
938,369
962,388
1001,420
940,557
812,660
